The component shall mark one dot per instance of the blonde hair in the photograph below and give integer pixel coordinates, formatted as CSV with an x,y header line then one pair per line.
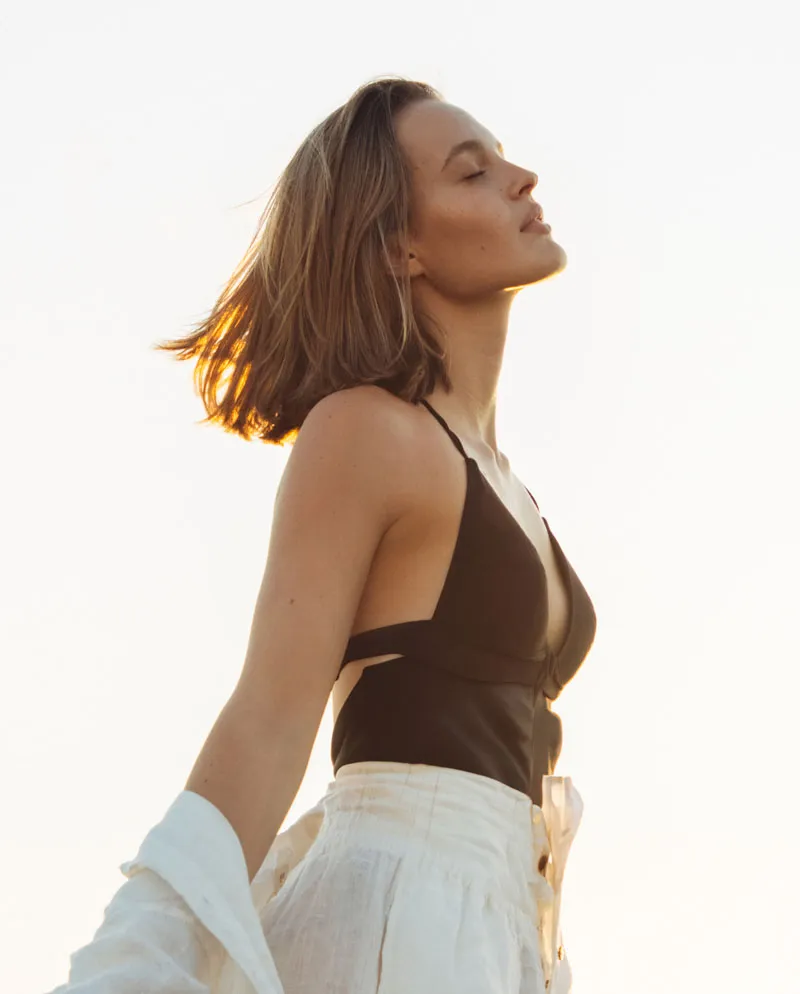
x,y
315,306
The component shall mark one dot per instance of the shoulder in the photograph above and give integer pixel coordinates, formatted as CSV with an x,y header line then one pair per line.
x,y
367,409
367,434
368,421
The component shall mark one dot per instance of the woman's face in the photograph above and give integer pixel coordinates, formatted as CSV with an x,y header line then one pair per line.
x,y
467,209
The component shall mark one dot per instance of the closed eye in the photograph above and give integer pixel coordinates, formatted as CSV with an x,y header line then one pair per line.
x,y
475,175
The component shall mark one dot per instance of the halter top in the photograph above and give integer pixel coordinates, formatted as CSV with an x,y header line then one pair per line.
x,y
468,690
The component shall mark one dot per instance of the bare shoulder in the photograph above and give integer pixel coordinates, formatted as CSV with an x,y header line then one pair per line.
x,y
364,432
367,409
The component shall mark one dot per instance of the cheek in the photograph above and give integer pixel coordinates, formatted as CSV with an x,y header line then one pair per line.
x,y
472,228
465,237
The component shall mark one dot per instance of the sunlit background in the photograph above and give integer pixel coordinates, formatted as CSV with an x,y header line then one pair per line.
x,y
649,400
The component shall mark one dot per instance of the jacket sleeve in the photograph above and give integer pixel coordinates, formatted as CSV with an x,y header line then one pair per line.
x,y
149,941
184,917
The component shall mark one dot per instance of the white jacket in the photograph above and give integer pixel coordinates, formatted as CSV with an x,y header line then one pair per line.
x,y
186,921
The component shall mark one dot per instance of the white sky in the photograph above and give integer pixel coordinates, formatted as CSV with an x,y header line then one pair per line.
x,y
648,400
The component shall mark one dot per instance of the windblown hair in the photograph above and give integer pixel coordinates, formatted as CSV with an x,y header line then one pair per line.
x,y
315,305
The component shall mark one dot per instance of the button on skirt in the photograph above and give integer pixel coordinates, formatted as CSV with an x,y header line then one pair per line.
x,y
415,879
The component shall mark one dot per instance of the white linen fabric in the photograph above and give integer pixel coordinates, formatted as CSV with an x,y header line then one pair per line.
x,y
402,879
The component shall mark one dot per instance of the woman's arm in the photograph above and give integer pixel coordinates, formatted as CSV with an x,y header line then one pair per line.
x,y
340,492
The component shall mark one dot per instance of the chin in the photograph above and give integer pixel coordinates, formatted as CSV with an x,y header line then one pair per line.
x,y
550,261
558,254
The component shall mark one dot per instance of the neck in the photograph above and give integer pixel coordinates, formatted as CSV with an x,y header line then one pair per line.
x,y
473,334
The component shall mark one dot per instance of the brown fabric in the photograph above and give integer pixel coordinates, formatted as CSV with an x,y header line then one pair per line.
x,y
468,691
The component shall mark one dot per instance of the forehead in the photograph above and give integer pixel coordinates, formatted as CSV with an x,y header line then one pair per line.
x,y
428,129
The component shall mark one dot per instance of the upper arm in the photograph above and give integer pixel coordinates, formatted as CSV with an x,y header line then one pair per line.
x,y
340,492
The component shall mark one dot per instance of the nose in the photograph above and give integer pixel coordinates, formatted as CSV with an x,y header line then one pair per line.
x,y
532,181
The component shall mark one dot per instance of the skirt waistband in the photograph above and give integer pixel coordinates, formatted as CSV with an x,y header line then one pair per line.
x,y
445,809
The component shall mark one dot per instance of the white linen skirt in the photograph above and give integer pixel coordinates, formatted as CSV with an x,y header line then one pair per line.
x,y
421,880
402,879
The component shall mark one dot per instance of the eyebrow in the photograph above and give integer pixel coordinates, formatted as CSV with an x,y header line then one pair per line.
x,y
470,145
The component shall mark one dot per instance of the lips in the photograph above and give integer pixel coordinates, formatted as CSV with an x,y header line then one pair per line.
x,y
536,213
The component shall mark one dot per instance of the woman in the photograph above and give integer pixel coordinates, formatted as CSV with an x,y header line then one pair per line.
x,y
409,575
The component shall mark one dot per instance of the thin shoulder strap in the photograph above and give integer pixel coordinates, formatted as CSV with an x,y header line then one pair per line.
x,y
456,440
533,499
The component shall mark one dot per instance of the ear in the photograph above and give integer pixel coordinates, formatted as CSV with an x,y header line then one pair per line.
x,y
402,260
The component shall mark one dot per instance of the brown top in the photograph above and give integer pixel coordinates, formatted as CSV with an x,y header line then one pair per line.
x,y
467,692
